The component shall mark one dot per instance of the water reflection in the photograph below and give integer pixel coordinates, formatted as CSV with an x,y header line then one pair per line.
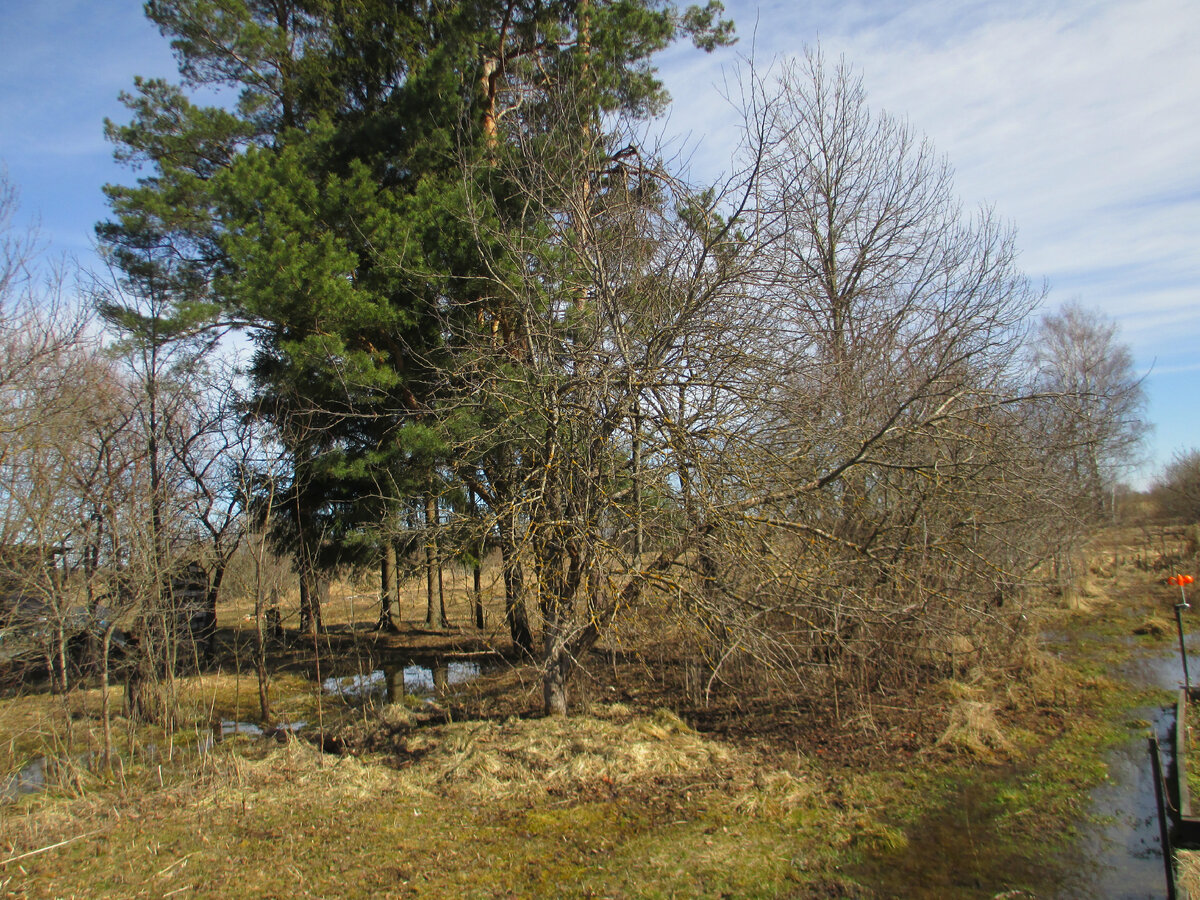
x,y
30,779
962,850
1123,858
42,771
393,682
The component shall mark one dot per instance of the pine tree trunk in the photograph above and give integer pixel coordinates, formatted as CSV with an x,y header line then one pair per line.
x,y
434,607
636,463
442,591
312,587
514,600
307,619
385,622
477,594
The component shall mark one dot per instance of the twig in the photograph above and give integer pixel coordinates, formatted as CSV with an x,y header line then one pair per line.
x,y
181,859
80,837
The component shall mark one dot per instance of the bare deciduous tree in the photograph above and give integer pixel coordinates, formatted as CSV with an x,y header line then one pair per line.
x,y
1100,405
1178,488
861,459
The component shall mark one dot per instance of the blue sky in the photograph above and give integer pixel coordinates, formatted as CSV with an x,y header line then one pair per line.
x,y
1078,120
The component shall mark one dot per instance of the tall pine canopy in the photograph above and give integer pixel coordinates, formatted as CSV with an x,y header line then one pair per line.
x,y
349,182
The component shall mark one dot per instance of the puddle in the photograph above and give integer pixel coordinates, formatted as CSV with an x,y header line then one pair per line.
x,y
419,679
30,779
1123,859
961,850
37,774
231,728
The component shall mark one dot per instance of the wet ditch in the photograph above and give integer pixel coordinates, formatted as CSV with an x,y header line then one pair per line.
x,y
965,849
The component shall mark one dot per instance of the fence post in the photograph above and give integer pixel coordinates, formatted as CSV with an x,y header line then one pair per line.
x,y
1179,608
1164,825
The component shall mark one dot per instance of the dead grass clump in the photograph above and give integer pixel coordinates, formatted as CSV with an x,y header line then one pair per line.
x,y
973,727
773,794
1039,678
1075,600
1187,871
297,768
397,716
1091,589
1153,626
531,757
612,711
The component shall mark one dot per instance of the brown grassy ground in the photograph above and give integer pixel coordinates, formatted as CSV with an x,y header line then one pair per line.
x,y
473,796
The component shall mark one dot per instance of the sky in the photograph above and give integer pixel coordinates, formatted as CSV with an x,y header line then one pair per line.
x,y
1077,121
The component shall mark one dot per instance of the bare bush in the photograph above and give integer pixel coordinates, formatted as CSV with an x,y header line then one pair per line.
x,y
1177,489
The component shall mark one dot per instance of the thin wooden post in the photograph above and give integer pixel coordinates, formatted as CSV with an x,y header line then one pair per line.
x,y
1179,608
1164,826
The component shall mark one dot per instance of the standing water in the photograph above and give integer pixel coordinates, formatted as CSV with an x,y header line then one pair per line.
x,y
961,850
1123,860
396,678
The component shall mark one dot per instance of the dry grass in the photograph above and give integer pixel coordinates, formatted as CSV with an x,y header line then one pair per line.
x,y
1187,871
515,808
534,757
973,725
1154,626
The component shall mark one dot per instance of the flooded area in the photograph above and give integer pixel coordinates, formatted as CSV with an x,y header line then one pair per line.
x,y
1123,859
424,679
29,779
395,679
42,772
962,849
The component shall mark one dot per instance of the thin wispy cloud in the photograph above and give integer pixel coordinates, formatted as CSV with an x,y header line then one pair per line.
x,y
1076,120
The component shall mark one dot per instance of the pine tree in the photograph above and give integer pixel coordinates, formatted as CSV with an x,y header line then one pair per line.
x,y
354,207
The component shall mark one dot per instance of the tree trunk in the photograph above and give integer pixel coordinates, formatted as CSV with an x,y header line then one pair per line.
x,y
260,655
477,593
385,622
57,659
394,683
442,591
514,600
307,619
105,703
312,586
636,465
435,613
441,677
207,637
556,664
